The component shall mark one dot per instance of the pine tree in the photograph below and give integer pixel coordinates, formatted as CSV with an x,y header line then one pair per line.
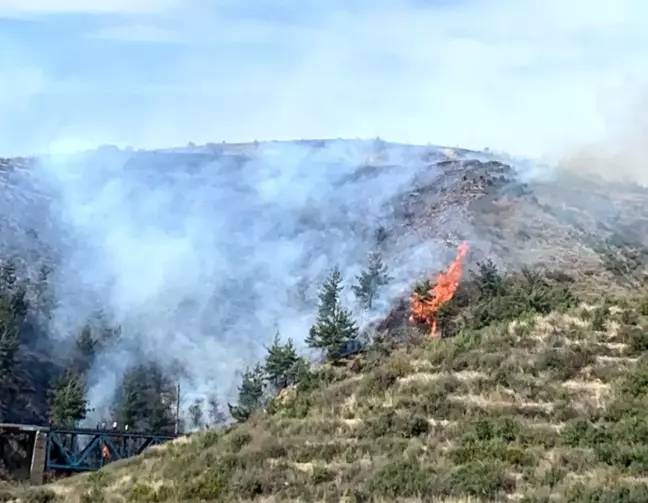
x,y
68,404
85,351
250,394
196,414
281,363
488,279
13,307
8,274
9,346
370,281
329,294
334,328
214,412
146,400
13,292
45,301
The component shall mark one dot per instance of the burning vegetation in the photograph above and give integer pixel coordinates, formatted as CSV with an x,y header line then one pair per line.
x,y
426,300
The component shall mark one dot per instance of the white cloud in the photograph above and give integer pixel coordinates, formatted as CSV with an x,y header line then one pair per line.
x,y
529,76
22,7
135,33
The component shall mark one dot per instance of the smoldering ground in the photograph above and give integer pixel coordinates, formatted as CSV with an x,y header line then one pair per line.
x,y
200,257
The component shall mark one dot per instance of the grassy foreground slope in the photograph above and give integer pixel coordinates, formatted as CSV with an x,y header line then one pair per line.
x,y
539,397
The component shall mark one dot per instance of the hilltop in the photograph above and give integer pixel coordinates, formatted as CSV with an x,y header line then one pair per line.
x,y
535,393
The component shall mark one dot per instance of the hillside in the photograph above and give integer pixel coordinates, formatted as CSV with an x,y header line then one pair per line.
x,y
543,407
535,392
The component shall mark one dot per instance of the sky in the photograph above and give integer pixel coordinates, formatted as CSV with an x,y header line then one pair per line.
x,y
526,76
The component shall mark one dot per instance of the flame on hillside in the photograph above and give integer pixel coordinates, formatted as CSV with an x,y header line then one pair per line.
x,y
423,307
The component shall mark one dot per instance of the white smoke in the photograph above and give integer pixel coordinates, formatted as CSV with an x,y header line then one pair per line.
x,y
200,256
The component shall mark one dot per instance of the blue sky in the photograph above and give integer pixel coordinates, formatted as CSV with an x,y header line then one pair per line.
x,y
526,75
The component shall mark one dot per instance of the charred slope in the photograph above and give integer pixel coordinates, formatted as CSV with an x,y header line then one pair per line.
x,y
447,195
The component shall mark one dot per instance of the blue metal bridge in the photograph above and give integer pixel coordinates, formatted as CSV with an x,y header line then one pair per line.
x,y
81,449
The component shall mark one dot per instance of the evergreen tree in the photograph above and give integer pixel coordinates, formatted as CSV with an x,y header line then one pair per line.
x,y
250,394
370,281
214,412
9,346
8,274
146,400
196,414
13,308
281,363
334,328
14,296
488,280
84,351
44,297
329,294
68,404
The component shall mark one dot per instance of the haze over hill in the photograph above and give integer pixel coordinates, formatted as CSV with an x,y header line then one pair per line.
x,y
535,392
201,254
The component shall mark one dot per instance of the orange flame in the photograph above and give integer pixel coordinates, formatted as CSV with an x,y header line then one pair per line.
x,y
424,307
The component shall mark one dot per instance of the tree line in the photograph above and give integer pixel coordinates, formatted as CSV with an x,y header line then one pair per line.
x,y
36,389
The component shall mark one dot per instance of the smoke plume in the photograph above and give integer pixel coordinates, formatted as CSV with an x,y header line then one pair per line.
x,y
201,254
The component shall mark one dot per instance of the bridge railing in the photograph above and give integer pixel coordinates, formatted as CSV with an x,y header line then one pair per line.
x,y
84,449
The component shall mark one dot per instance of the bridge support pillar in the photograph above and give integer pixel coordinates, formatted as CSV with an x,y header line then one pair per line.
x,y
37,468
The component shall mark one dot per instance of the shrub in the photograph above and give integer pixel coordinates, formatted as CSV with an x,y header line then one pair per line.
x,y
498,298
384,377
322,475
39,495
485,480
581,493
565,363
208,486
237,439
404,478
638,341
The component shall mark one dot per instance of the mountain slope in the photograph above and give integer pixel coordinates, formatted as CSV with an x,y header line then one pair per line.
x,y
538,394
545,407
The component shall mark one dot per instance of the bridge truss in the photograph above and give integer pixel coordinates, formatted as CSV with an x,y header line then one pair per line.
x,y
82,450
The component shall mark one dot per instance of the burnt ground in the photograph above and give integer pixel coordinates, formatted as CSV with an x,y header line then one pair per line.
x,y
594,228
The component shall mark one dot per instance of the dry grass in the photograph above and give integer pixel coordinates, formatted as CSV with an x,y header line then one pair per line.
x,y
526,410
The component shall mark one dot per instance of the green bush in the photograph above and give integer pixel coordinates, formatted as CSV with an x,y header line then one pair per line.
x,y
566,362
499,298
39,495
402,478
384,377
321,475
484,480
583,494
639,341
207,486
389,423
237,439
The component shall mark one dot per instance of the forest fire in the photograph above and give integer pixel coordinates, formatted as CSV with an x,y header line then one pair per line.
x,y
425,306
